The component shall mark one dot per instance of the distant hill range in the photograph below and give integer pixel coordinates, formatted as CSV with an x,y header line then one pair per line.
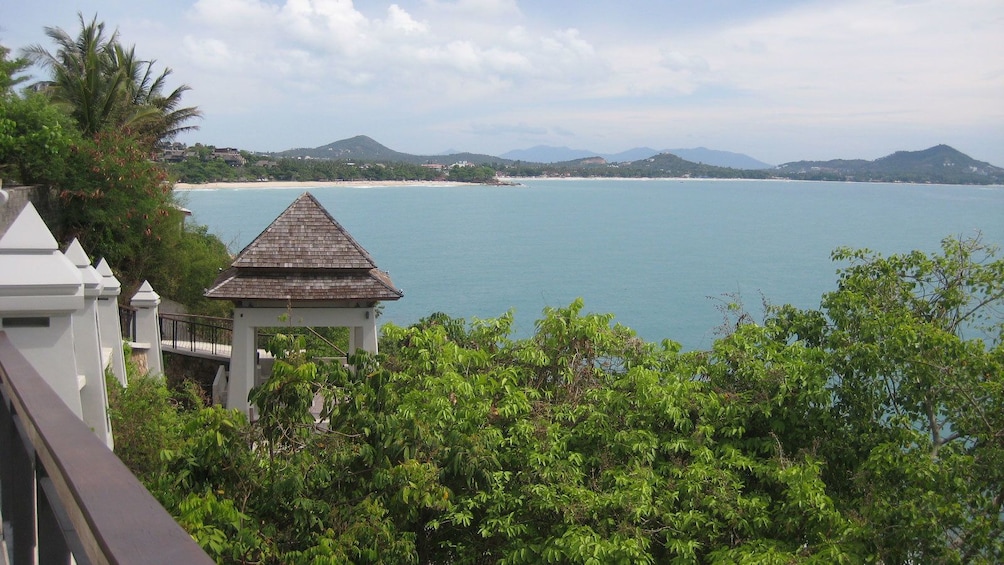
x,y
702,155
939,164
366,149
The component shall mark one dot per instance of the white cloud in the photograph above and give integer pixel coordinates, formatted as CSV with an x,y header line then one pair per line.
x,y
446,60
812,72
400,21
677,61
209,53
851,59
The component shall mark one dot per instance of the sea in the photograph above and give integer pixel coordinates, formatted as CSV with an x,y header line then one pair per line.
x,y
664,256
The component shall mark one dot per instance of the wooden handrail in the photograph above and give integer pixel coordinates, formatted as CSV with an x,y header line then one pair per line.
x,y
99,504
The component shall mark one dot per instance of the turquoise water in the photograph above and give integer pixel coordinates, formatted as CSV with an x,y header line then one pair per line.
x,y
659,254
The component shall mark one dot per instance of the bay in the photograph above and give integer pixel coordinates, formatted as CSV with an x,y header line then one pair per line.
x,y
662,255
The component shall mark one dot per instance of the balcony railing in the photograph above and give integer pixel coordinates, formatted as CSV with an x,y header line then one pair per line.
x,y
59,480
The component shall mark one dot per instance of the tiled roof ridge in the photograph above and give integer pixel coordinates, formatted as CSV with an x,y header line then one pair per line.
x,y
383,278
296,214
362,251
304,255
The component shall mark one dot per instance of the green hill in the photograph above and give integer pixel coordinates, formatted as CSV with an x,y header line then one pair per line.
x,y
365,149
938,164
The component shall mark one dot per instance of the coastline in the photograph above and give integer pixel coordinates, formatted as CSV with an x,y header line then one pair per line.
x,y
315,184
509,181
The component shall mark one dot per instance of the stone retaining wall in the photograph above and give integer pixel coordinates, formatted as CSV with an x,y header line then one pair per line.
x,y
19,196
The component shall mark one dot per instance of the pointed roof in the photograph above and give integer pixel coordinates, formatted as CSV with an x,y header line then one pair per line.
x,y
28,233
304,255
93,281
305,236
111,285
34,275
145,296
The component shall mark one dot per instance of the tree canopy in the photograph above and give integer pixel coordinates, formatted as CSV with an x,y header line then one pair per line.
x,y
869,430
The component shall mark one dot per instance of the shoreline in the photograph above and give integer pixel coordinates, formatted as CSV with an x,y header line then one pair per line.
x,y
508,181
314,184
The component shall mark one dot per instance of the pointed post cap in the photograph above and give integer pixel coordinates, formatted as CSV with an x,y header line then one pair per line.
x,y
34,275
145,297
92,280
28,234
111,285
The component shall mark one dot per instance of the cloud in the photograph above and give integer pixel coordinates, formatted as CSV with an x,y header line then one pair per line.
x,y
400,21
491,68
677,61
449,53
854,58
496,129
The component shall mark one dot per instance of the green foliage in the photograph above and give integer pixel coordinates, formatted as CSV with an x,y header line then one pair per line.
x,y
9,69
480,173
915,444
867,431
89,138
119,206
188,261
115,202
204,168
145,422
35,139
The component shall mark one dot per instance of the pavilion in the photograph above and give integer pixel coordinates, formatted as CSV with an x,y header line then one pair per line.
x,y
303,270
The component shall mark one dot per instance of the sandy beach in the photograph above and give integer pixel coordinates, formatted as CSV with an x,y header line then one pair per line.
x,y
314,184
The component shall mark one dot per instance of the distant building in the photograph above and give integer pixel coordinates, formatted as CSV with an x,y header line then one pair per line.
x,y
230,156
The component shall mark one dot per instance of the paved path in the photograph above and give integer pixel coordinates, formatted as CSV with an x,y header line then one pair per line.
x,y
216,351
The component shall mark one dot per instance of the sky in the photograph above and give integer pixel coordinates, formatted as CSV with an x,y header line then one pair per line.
x,y
778,80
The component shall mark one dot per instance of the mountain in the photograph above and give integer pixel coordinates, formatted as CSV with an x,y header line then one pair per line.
x,y
366,149
719,158
670,165
634,154
662,165
550,154
547,154
359,147
938,164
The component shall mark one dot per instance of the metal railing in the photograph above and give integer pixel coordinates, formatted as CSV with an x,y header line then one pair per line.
x,y
59,480
197,333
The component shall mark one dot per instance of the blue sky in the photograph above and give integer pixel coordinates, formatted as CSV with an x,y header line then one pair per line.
x,y
779,80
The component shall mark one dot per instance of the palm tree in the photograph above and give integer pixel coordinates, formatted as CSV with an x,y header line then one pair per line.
x,y
8,69
104,85
154,115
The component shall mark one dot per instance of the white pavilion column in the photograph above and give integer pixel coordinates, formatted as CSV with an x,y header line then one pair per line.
x,y
109,323
40,289
363,337
87,347
146,302
242,361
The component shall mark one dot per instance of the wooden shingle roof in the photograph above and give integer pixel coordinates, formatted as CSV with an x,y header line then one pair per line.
x,y
304,254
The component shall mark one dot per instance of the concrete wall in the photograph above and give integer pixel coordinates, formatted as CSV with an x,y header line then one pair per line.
x,y
179,368
45,202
